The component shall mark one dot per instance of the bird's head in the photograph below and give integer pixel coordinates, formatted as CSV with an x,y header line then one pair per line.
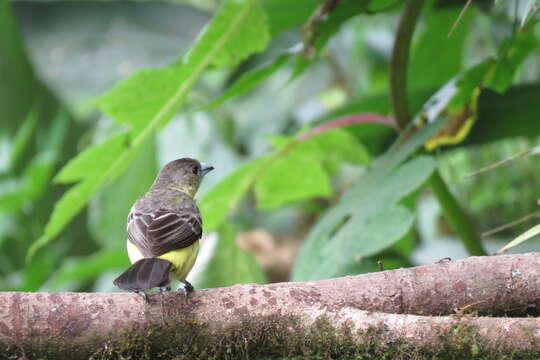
x,y
183,174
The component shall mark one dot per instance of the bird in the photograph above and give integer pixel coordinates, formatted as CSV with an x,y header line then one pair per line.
x,y
164,227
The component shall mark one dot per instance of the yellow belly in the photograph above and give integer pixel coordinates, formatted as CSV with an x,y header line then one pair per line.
x,y
182,259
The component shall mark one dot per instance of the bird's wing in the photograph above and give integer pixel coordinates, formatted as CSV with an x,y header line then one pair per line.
x,y
158,232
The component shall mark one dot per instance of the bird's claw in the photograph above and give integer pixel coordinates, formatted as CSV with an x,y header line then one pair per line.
x,y
185,288
143,295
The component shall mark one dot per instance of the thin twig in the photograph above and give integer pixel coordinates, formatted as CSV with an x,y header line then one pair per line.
x,y
458,20
511,224
498,163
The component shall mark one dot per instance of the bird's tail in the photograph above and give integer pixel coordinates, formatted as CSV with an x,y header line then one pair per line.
x,y
145,274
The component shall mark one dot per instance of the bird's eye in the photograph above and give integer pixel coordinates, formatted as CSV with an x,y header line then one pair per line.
x,y
195,170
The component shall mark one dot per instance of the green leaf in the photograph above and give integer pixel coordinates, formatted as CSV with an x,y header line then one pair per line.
x,y
363,236
437,57
334,146
249,80
250,33
147,99
230,265
285,14
513,112
23,136
527,235
93,159
373,195
512,52
291,178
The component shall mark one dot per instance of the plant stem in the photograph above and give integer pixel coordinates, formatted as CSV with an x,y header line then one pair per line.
x,y
400,59
456,217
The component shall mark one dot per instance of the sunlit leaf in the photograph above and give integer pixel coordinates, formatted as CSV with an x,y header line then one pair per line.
x,y
93,159
291,178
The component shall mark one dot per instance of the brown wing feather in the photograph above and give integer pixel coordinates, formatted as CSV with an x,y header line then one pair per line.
x,y
158,232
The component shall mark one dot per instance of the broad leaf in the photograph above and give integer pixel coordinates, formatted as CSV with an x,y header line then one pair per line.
x,y
291,178
93,159
380,188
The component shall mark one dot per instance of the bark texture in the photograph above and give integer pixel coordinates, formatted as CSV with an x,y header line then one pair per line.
x,y
399,309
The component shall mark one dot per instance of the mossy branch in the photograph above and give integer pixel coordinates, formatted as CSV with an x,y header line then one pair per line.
x,y
344,317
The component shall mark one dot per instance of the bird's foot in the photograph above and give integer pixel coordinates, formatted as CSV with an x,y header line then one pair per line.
x,y
185,288
164,288
143,295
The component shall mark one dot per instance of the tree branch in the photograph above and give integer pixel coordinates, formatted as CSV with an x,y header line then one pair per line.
x,y
257,318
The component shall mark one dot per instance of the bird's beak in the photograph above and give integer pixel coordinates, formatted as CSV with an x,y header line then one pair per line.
x,y
205,168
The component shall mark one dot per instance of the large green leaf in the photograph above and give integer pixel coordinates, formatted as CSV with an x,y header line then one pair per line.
x,y
377,192
361,236
147,99
291,178
93,159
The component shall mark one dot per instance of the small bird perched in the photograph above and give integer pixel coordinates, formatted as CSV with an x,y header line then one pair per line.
x,y
164,227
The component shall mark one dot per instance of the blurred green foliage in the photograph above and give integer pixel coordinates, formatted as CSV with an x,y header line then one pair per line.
x,y
96,96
